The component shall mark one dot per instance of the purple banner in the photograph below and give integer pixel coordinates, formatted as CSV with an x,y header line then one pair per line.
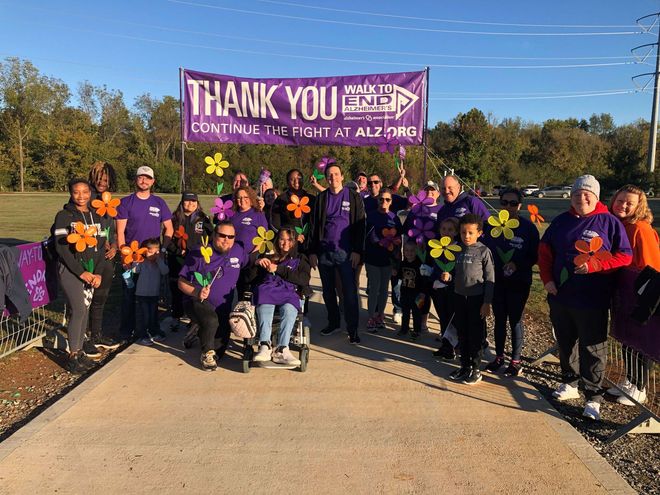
x,y
31,263
342,110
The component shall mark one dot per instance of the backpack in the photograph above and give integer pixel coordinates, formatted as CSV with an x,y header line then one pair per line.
x,y
242,320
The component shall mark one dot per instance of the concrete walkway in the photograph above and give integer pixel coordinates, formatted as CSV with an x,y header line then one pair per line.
x,y
378,418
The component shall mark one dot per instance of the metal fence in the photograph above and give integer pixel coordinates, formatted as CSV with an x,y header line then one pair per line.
x,y
15,335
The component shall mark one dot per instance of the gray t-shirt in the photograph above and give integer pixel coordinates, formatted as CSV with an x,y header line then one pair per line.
x,y
475,272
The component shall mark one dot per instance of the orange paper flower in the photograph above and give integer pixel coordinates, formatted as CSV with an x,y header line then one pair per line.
x,y
82,237
591,254
182,236
133,253
107,204
534,215
298,206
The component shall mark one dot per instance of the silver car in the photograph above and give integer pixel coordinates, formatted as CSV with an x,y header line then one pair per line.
x,y
553,192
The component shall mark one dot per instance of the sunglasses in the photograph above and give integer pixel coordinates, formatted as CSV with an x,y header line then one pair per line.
x,y
371,182
225,236
513,202
385,200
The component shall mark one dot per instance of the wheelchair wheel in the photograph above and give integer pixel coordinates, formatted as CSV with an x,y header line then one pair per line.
x,y
304,358
246,366
248,354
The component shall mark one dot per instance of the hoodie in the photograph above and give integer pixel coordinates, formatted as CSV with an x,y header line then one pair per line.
x,y
73,260
557,251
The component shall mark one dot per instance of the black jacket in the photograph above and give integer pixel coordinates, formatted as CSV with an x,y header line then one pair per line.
x,y
253,275
357,222
67,254
12,285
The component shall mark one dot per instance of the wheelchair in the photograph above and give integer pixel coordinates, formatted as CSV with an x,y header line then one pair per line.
x,y
300,341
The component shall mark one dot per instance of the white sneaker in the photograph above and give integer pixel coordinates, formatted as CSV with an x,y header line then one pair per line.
x,y
263,354
592,410
285,357
397,318
638,395
208,361
566,391
622,385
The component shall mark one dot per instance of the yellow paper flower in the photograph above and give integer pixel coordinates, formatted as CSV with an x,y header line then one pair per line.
x,y
444,246
503,225
216,164
206,250
264,240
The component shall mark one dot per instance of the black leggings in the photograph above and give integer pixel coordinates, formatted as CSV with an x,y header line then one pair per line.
x,y
99,299
73,288
470,328
508,305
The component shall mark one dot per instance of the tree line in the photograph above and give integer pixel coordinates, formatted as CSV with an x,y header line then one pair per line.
x,y
46,138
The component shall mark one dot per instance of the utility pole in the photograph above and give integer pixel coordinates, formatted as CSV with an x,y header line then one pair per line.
x,y
653,138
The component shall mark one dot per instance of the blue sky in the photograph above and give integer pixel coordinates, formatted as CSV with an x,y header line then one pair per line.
x,y
138,46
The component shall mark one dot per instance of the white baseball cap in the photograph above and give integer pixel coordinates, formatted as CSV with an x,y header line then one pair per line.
x,y
144,170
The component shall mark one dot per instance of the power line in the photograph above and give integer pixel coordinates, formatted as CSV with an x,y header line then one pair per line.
x,y
334,59
449,21
400,28
557,97
318,46
533,93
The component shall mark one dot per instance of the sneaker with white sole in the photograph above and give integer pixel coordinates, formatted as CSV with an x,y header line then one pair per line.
x,y
592,410
264,353
283,355
146,341
397,318
208,361
618,389
566,391
636,394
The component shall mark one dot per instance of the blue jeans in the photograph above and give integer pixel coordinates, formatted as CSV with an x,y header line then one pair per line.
x,y
147,317
341,262
288,315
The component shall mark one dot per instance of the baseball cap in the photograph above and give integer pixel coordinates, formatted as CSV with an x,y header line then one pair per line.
x,y
432,185
144,170
189,196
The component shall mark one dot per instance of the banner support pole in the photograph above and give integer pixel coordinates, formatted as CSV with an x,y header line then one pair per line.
x,y
182,183
426,121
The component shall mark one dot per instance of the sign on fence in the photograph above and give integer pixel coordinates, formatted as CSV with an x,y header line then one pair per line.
x,y
32,264
343,110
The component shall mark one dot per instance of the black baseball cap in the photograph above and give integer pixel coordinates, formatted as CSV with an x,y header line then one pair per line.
x,y
189,196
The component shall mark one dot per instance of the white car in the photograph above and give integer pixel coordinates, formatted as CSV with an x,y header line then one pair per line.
x,y
529,190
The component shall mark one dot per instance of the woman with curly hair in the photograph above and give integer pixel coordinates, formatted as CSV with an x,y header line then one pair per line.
x,y
629,205
248,217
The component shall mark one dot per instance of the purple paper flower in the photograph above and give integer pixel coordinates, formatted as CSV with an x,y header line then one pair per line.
x,y
325,161
264,175
389,144
402,152
222,209
421,231
419,203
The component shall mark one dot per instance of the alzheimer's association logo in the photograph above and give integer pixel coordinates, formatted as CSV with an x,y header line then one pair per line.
x,y
377,98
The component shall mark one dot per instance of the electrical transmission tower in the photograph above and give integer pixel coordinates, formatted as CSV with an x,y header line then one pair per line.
x,y
642,57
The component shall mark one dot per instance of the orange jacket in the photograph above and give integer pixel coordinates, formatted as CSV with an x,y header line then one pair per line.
x,y
644,242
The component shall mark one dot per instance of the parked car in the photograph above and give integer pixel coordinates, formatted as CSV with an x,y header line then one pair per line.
x,y
498,189
553,192
528,190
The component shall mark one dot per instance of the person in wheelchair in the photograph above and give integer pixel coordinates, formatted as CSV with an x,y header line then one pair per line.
x,y
280,279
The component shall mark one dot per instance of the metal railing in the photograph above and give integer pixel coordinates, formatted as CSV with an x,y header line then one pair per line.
x,y
15,335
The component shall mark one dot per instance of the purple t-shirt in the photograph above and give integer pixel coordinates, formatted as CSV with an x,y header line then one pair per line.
x,y
144,216
246,224
222,290
275,290
592,290
463,205
336,234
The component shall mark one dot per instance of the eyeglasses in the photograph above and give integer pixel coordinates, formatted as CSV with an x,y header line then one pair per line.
x,y
225,236
385,200
513,202
371,182
242,198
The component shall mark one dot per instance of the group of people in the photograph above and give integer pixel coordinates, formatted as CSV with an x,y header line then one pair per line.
x,y
441,246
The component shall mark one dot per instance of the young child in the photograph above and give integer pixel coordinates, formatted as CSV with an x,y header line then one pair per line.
x,y
474,282
441,294
414,290
147,293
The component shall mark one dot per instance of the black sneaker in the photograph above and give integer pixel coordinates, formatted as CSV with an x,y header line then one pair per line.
x,y
513,370
459,374
402,332
107,343
79,363
354,340
414,335
329,330
495,365
91,350
445,352
473,377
